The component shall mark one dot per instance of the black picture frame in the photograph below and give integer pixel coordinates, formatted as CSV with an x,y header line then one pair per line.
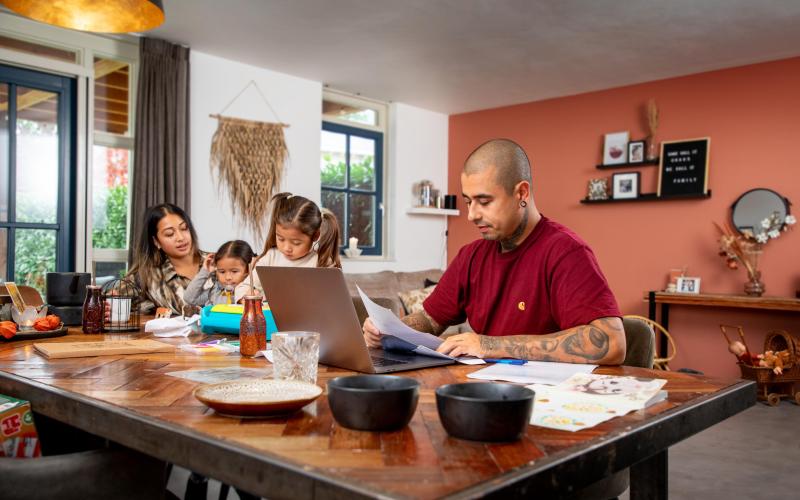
x,y
620,190
683,168
636,152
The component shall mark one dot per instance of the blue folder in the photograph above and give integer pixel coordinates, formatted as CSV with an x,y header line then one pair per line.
x,y
225,318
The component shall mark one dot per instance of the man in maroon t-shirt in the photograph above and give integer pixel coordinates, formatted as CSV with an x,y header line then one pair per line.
x,y
531,288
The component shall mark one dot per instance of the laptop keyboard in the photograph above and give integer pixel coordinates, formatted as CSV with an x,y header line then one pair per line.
x,y
384,361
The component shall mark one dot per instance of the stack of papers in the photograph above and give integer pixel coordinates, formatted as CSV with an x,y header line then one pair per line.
x,y
420,342
532,372
586,399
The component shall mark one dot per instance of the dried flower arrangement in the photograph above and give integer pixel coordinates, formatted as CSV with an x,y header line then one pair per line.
x,y
652,125
746,247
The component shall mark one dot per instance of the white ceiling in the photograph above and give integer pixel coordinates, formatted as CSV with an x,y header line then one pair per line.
x,y
454,56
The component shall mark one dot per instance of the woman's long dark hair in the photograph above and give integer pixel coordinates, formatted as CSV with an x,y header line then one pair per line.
x,y
300,212
149,258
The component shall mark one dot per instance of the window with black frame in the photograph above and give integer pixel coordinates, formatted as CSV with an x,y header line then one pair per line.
x,y
351,164
36,175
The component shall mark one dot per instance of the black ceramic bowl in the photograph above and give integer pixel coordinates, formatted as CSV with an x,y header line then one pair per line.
x,y
373,402
484,411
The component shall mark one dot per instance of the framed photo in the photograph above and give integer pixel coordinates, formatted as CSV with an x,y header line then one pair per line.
x,y
625,186
598,189
636,152
688,285
615,148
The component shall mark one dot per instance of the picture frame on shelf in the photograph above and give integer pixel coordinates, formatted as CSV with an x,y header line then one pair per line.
x,y
688,284
598,189
636,150
625,186
615,148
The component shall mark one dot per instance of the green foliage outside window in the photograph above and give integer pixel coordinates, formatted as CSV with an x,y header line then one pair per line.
x,y
113,233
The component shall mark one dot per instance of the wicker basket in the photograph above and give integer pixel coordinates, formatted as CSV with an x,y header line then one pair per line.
x,y
780,340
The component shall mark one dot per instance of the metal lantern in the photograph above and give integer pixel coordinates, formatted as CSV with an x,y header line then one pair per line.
x,y
121,301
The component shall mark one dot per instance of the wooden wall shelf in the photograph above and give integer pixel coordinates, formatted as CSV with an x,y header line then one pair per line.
x,y
649,197
646,163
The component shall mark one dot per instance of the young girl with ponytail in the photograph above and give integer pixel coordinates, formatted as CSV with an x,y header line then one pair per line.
x,y
300,235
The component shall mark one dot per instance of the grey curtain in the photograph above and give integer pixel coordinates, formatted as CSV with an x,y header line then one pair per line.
x,y
161,151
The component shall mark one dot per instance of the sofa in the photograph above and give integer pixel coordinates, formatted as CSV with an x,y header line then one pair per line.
x,y
385,287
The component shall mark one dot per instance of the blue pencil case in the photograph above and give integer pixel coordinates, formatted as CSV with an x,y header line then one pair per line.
x,y
225,318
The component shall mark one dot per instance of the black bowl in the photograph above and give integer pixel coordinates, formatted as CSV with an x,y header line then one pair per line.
x,y
373,402
485,411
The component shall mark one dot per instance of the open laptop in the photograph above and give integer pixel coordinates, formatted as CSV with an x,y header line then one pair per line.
x,y
317,300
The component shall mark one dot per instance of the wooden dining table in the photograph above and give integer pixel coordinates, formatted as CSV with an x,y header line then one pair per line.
x,y
130,400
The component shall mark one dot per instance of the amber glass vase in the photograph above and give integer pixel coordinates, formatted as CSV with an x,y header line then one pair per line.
x,y
253,328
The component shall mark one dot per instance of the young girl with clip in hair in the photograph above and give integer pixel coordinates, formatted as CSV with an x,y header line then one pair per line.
x,y
300,235
221,273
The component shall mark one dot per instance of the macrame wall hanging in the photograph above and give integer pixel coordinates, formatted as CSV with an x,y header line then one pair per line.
x,y
248,157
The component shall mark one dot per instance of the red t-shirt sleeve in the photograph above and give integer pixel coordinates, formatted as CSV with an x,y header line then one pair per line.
x,y
446,303
579,293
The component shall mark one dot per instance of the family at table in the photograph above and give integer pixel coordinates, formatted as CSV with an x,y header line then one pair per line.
x,y
530,288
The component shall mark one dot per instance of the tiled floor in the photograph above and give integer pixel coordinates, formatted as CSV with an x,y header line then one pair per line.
x,y
755,454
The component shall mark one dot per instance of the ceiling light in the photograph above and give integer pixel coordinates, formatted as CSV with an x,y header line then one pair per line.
x,y
102,16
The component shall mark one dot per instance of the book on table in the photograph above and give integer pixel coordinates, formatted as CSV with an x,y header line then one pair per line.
x,y
100,348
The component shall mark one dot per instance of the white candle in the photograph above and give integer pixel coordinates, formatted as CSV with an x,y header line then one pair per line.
x,y
353,243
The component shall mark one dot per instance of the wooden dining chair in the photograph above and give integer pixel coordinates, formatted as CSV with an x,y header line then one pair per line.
x,y
659,363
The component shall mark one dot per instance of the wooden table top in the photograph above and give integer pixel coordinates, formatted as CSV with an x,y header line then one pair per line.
x,y
129,400
725,300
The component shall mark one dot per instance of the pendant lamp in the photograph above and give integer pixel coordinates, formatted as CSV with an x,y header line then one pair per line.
x,y
102,16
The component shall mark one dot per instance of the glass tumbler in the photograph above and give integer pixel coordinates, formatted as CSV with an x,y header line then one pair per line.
x,y
295,356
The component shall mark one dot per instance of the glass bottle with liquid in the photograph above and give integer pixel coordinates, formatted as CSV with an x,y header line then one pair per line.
x,y
92,310
253,327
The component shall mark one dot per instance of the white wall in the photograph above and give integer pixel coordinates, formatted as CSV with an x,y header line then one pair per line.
x,y
298,102
417,143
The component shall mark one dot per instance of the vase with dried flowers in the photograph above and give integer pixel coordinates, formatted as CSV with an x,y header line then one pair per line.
x,y
746,247
652,126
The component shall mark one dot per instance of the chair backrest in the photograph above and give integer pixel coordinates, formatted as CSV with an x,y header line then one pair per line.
x,y
640,340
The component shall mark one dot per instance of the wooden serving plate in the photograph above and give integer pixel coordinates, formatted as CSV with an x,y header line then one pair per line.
x,y
36,335
257,397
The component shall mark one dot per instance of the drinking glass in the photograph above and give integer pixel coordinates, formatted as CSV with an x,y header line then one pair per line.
x,y
295,356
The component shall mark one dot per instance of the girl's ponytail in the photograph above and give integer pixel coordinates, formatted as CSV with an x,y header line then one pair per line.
x,y
328,252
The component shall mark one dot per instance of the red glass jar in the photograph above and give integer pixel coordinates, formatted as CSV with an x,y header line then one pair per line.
x,y
253,327
92,310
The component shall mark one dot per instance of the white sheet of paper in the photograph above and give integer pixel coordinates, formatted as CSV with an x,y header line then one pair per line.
x,y
214,375
385,321
532,372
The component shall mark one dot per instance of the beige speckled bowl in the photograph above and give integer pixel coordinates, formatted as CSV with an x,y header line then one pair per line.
x,y
257,397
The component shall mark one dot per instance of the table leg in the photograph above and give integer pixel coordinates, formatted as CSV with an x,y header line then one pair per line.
x,y
665,323
649,478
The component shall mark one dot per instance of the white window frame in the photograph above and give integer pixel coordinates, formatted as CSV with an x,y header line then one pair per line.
x,y
87,46
382,108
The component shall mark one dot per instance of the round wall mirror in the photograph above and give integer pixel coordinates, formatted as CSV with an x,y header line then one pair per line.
x,y
751,208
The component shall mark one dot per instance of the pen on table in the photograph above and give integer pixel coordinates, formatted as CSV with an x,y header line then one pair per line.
x,y
506,361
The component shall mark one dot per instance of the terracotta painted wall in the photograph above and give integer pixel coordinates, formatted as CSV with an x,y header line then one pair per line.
x,y
752,115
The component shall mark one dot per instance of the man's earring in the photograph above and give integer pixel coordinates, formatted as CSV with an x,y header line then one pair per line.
x,y
523,203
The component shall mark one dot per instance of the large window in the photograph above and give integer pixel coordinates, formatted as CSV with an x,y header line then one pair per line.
x,y
353,168
36,182
352,183
112,155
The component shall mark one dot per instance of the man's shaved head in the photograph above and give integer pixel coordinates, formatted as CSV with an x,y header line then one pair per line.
x,y
510,160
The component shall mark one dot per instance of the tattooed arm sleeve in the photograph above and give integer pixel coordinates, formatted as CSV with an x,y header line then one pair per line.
x,y
600,342
423,322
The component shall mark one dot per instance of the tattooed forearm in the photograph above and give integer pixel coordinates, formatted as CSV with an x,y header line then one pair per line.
x,y
424,323
602,341
588,342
